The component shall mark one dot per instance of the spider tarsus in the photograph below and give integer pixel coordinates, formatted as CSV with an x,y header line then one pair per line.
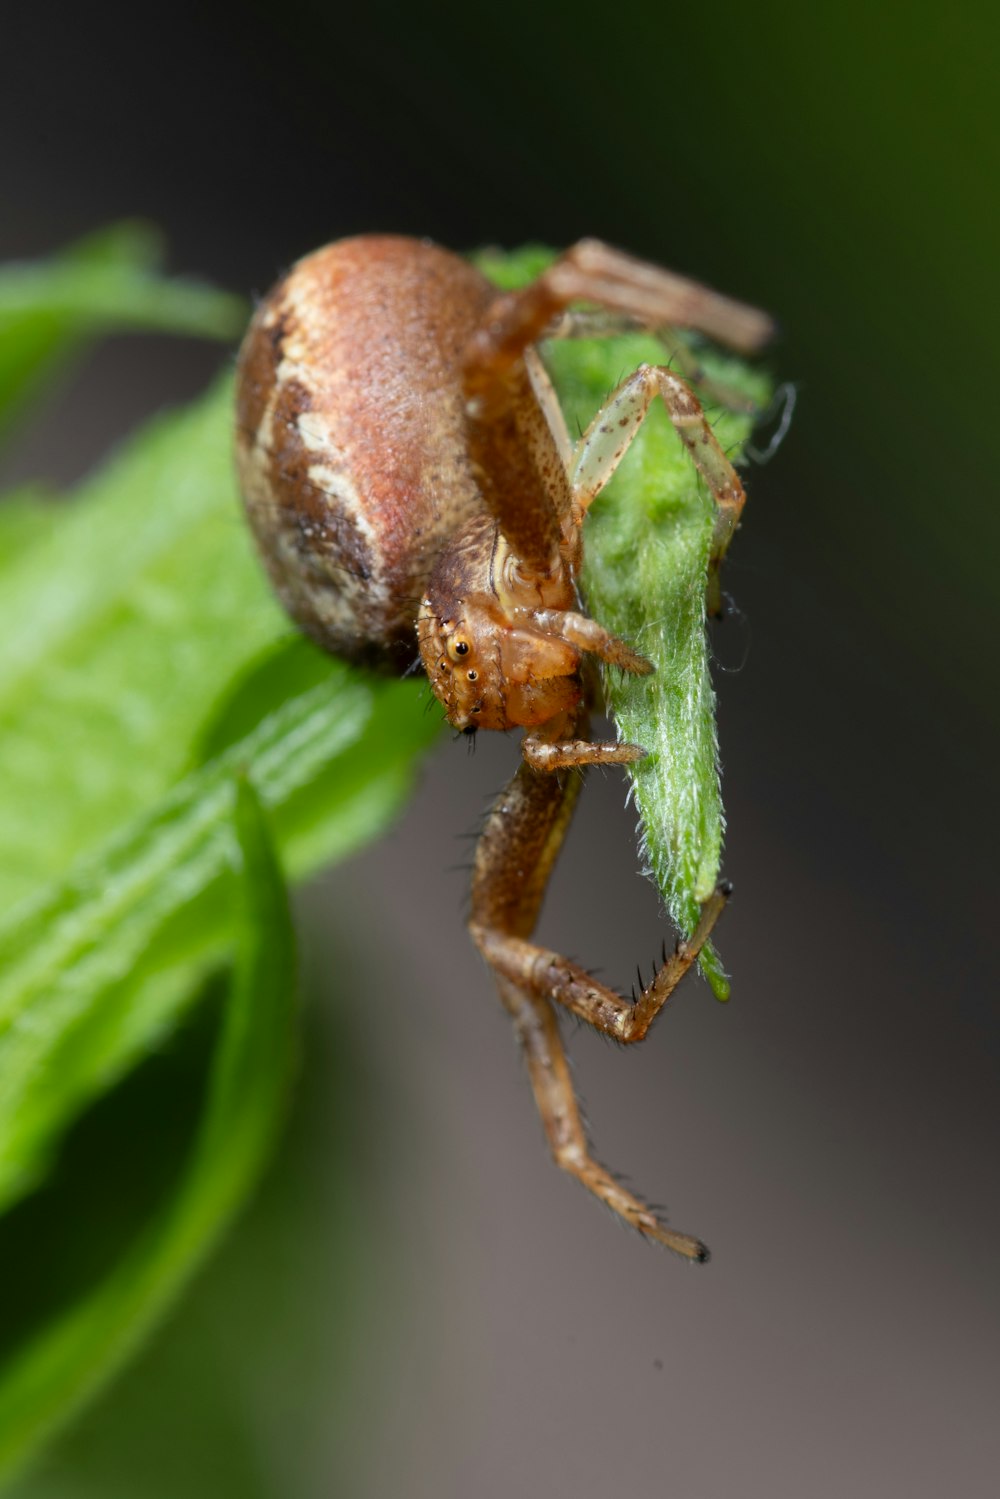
x,y
726,888
693,1250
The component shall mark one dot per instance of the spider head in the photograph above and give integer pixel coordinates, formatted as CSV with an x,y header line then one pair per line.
x,y
491,671
489,662
486,658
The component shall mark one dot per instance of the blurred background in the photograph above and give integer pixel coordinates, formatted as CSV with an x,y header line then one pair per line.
x,y
417,1303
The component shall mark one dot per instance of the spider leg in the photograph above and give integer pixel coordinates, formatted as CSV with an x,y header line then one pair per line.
x,y
505,386
548,1070
553,747
587,635
514,859
609,436
585,322
521,461
591,271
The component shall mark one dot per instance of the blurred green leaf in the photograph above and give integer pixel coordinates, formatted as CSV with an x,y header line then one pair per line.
x,y
67,1360
251,1385
510,269
24,517
126,622
646,562
143,663
110,282
96,968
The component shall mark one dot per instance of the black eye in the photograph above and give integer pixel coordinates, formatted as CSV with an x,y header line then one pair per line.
x,y
473,676
461,647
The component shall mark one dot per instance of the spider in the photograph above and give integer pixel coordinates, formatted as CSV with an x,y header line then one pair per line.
x,y
415,495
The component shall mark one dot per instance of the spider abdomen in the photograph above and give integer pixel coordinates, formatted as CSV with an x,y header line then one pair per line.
x,y
351,436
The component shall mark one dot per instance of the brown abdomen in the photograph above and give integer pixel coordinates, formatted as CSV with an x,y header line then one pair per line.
x,y
350,435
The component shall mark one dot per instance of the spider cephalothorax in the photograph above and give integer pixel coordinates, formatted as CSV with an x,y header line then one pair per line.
x,y
481,628
492,673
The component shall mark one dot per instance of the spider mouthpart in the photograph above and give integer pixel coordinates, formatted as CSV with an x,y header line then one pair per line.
x,y
471,728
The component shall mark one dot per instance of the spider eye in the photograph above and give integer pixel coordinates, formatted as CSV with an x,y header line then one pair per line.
x,y
473,676
461,647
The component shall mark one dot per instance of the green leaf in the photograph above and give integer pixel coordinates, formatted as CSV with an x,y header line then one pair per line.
x,y
108,283
143,662
64,1363
125,624
510,269
645,577
120,623
24,518
647,543
97,967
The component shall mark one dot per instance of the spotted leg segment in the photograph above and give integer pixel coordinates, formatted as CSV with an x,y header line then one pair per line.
x,y
514,859
587,635
559,745
586,322
609,436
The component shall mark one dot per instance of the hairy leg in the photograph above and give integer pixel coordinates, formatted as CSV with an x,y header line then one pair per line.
x,y
582,323
591,271
514,860
612,431
517,439
552,1085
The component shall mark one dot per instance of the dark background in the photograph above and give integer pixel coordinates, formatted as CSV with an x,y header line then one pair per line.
x,y
418,1303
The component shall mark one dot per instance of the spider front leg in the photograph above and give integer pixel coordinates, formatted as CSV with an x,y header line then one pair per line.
x,y
590,323
609,436
587,635
514,859
591,271
517,435
558,744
